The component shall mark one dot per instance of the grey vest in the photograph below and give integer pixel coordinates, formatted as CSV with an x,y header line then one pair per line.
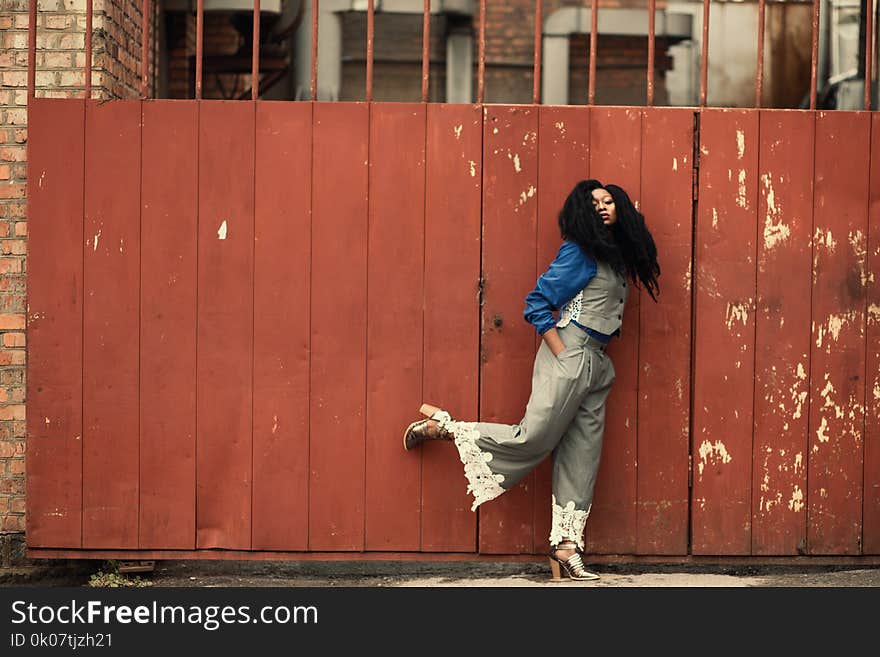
x,y
600,304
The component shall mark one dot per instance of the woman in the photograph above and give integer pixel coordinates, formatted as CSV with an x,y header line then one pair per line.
x,y
605,242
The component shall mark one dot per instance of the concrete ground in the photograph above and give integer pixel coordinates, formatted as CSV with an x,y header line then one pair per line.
x,y
187,573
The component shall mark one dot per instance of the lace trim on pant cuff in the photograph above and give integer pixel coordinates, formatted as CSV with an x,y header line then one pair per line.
x,y
568,523
483,484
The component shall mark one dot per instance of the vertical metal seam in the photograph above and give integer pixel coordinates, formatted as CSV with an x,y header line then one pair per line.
x,y
253,109
754,310
424,305
695,213
140,305
809,400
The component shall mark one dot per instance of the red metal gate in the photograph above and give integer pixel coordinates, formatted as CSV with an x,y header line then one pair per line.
x,y
236,307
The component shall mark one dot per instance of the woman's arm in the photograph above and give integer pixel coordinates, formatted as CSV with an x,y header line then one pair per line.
x,y
553,341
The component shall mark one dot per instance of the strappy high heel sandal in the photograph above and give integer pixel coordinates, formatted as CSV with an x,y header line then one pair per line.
x,y
573,567
420,431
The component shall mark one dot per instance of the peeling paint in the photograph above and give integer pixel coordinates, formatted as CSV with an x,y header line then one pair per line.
x,y
97,237
773,232
826,239
741,199
675,164
736,312
494,131
526,195
688,276
221,232
796,503
820,432
874,312
714,218
833,326
275,423
798,462
876,390
740,144
473,166
457,131
561,127
717,451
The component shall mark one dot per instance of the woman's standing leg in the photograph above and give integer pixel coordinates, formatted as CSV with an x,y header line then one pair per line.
x,y
576,463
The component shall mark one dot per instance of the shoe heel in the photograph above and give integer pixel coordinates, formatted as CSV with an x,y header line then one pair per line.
x,y
555,570
428,410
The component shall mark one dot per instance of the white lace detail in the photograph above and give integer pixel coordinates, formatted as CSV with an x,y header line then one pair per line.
x,y
568,523
483,484
571,310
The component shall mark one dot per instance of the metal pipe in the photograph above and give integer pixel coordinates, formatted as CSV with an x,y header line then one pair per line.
x,y
32,47
481,66
200,33
313,85
704,57
255,55
145,49
814,54
88,54
652,9
370,35
594,37
539,20
759,71
869,50
426,48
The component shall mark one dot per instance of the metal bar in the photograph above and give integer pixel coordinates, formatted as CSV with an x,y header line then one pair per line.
x,y
539,20
145,50
32,47
371,31
594,38
88,63
815,54
200,34
652,32
426,48
481,66
704,57
869,50
759,71
313,85
255,55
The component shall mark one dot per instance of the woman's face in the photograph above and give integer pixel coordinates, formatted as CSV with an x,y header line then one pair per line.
x,y
604,204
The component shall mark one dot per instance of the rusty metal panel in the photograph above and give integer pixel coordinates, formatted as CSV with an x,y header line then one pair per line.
x,y
169,232
837,360
225,324
54,323
724,353
282,223
337,413
664,347
615,157
782,332
395,280
111,280
450,376
563,160
871,525
510,179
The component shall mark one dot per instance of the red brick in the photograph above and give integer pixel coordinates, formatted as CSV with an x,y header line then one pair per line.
x,y
12,523
12,486
17,504
21,229
12,358
4,226
4,172
16,466
12,191
10,266
14,340
9,449
12,412
13,247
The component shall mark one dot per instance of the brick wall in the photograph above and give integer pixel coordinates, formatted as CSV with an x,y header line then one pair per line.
x,y
60,74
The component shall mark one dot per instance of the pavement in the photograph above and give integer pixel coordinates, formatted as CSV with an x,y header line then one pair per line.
x,y
484,574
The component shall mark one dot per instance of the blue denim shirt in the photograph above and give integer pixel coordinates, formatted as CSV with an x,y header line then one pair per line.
x,y
567,275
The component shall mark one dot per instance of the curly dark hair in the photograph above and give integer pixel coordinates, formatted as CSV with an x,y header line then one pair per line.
x,y
627,245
